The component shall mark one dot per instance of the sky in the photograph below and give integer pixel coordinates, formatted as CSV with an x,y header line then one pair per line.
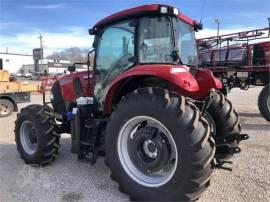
x,y
65,23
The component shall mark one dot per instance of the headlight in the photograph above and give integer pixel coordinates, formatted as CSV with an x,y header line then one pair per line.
x,y
175,70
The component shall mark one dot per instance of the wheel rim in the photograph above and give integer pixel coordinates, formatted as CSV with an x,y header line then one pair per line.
x,y
28,137
4,108
211,122
147,151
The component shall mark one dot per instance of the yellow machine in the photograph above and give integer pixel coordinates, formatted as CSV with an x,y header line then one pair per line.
x,y
4,75
7,86
13,92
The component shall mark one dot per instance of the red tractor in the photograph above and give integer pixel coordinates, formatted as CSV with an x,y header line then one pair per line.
x,y
160,122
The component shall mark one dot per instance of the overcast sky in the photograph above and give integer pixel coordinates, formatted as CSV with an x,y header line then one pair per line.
x,y
65,23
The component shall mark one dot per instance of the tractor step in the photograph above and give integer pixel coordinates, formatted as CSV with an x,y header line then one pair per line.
x,y
89,140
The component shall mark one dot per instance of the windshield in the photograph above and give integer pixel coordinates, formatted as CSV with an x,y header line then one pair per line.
x,y
156,44
186,42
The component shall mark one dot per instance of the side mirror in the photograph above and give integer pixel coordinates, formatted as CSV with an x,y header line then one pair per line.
x,y
93,31
72,68
198,26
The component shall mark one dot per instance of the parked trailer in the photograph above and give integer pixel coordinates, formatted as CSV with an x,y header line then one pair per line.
x,y
238,63
12,93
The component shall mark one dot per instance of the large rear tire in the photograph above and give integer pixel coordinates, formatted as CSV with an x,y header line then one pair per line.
x,y
264,102
36,135
158,147
225,121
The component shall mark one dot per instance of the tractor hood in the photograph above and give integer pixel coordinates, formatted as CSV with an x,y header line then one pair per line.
x,y
66,85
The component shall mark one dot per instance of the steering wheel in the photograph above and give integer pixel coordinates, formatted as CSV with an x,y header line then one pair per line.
x,y
122,61
117,67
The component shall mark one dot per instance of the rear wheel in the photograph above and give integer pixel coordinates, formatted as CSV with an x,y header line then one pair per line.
x,y
6,107
224,121
35,135
264,102
158,147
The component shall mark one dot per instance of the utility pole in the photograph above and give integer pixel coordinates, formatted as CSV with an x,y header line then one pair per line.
x,y
41,48
217,21
41,43
218,41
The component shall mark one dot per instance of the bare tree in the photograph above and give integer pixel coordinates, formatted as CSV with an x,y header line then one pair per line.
x,y
73,54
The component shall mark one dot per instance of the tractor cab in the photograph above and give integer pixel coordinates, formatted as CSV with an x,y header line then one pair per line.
x,y
156,35
145,46
146,35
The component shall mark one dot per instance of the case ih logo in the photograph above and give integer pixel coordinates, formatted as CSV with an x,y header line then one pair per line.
x,y
37,53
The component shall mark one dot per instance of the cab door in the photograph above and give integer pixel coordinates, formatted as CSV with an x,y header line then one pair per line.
x,y
115,48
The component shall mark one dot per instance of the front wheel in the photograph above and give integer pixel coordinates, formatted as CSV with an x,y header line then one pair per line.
x,y
224,122
36,135
264,102
158,147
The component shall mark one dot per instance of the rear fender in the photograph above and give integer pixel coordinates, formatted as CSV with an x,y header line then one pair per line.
x,y
206,80
179,78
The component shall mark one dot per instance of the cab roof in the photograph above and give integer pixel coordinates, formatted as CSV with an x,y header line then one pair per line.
x,y
138,12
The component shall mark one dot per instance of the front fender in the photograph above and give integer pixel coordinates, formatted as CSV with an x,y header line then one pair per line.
x,y
179,76
206,80
66,85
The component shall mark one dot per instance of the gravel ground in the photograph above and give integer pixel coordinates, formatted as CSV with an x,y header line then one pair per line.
x,y
69,180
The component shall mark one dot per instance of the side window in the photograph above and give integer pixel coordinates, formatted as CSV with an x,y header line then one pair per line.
x,y
115,47
155,41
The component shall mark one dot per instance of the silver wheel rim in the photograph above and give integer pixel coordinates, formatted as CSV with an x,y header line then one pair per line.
x,y
211,123
151,179
28,137
4,108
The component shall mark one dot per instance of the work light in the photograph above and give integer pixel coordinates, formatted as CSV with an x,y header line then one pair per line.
x,y
175,11
163,9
